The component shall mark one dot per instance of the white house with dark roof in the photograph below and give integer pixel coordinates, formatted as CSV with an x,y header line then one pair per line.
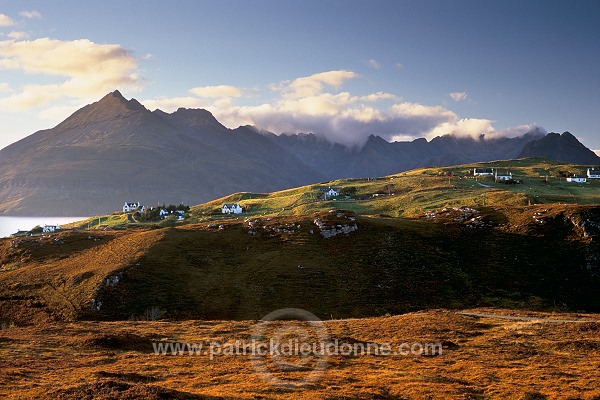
x,y
129,207
503,177
576,179
231,208
483,171
50,228
329,192
593,173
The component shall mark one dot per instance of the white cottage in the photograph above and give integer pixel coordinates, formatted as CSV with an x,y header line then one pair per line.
x,y
50,228
231,209
593,173
329,192
577,179
507,176
129,207
483,171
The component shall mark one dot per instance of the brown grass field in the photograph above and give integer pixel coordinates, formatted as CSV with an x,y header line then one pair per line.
x,y
534,357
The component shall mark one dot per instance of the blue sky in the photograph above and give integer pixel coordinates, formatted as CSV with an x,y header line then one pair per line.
x,y
345,69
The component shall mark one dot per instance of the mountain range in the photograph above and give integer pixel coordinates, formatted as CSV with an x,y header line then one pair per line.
x,y
116,150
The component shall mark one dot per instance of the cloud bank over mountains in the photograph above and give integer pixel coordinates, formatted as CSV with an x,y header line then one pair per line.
x,y
318,104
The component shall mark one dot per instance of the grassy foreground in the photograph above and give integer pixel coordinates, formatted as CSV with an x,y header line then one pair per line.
x,y
481,358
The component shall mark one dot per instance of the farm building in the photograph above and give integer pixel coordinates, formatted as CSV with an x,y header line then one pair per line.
x,y
129,207
593,173
483,171
329,192
50,228
499,177
577,179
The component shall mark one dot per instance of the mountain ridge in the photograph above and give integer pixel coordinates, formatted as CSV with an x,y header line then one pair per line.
x,y
115,150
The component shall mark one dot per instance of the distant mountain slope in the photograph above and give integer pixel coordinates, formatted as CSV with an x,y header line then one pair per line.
x,y
559,147
115,150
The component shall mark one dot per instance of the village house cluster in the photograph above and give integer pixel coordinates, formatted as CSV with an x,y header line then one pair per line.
x,y
164,212
498,176
592,173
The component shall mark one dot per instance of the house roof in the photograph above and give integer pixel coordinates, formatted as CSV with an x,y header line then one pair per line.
x,y
231,205
594,171
327,189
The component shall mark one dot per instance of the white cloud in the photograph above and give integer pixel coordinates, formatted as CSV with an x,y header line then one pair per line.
x,y
5,20
17,35
31,14
216,91
58,113
313,85
373,64
305,105
399,65
315,104
379,96
4,86
458,96
521,130
30,96
465,127
89,69
597,152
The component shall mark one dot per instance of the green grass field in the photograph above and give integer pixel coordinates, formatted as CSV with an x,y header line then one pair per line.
x,y
414,192
406,194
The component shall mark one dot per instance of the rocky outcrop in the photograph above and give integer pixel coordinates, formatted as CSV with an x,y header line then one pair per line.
x,y
336,223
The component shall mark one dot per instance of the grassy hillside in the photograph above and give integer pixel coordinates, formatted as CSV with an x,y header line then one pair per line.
x,y
415,192
541,257
407,194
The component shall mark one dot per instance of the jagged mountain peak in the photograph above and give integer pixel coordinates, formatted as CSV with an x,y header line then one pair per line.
x,y
113,106
562,147
375,139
